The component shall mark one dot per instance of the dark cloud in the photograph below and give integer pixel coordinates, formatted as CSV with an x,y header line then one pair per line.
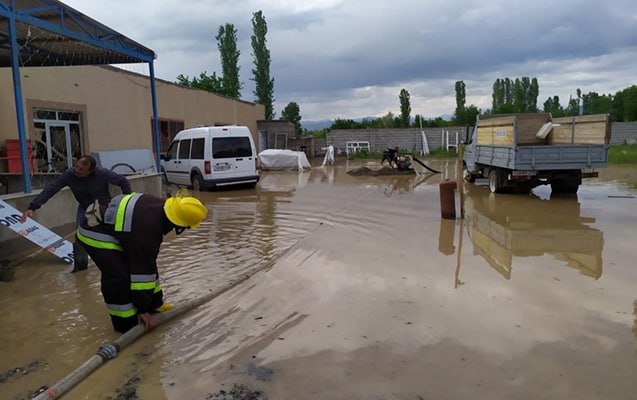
x,y
353,52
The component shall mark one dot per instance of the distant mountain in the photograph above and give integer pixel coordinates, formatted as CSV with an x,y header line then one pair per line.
x,y
316,124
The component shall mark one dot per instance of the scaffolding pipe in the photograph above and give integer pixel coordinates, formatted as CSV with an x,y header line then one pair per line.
x,y
110,350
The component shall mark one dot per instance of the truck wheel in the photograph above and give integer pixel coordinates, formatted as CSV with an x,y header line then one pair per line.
x,y
494,181
468,176
197,182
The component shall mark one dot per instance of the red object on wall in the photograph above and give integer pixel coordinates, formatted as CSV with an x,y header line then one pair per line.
x,y
14,162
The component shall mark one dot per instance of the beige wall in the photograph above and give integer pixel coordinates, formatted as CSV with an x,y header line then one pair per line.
x,y
116,104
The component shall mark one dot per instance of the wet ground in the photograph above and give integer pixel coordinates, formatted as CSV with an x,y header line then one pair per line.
x,y
352,287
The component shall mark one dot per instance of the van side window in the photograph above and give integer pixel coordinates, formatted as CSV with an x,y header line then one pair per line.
x,y
196,150
229,147
172,150
184,149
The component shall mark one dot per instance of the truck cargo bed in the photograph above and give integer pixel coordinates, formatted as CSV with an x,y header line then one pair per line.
x,y
536,158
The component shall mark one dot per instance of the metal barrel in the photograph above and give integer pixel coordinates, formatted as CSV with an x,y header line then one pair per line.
x,y
448,199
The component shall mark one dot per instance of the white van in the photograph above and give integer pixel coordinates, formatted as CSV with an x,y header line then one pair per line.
x,y
212,156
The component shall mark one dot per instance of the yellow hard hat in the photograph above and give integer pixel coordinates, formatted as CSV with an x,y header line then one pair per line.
x,y
186,212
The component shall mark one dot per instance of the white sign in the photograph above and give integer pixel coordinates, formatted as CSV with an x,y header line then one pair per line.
x,y
36,233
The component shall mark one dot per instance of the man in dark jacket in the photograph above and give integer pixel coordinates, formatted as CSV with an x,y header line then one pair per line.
x,y
87,183
390,155
125,246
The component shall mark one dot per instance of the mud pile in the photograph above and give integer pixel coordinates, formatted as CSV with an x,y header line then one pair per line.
x,y
384,171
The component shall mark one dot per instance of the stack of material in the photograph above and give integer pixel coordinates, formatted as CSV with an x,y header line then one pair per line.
x,y
272,159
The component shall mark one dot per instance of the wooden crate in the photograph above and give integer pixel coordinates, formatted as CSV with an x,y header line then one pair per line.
x,y
582,129
496,131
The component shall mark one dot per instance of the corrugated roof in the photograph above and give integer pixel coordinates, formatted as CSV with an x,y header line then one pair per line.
x,y
50,33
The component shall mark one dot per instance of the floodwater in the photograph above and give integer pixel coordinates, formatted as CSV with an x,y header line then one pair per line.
x,y
349,287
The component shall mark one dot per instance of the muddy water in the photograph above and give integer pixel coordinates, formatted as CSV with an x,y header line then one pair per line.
x,y
358,290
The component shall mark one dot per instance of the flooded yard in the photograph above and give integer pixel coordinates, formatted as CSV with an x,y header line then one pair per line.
x,y
356,289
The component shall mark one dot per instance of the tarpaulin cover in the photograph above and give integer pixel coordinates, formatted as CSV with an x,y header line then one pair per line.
x,y
272,159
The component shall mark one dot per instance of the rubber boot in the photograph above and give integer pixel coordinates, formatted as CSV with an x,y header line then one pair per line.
x,y
80,257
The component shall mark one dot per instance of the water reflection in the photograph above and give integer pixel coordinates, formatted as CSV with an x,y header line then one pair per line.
x,y
502,227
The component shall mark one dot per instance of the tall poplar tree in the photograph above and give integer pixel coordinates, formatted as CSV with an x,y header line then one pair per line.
x,y
405,108
227,45
264,85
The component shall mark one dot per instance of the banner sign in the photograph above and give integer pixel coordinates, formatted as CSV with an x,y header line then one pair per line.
x,y
36,233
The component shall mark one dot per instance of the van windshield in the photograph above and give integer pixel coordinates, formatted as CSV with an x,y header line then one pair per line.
x,y
229,147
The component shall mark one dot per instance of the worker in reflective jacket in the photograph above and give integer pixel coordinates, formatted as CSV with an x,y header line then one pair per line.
x,y
125,246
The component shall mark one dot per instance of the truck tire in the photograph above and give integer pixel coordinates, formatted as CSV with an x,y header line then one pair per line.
x,y
468,176
494,181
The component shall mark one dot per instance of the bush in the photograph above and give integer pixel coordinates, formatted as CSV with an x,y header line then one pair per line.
x,y
623,154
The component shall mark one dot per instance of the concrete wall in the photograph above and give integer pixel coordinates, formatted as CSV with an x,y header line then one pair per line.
x,y
380,139
623,132
409,139
58,214
115,105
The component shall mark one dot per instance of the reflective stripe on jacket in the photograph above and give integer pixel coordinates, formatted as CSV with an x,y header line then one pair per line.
x,y
120,212
98,240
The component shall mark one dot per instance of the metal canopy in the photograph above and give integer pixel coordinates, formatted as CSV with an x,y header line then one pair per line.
x,y
50,33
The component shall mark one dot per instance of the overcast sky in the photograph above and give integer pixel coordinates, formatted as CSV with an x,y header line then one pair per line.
x,y
351,58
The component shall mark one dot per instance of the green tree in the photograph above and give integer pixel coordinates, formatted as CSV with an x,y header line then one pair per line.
x,y
515,96
405,108
593,103
227,45
292,113
388,120
461,99
572,109
552,105
209,83
628,98
264,85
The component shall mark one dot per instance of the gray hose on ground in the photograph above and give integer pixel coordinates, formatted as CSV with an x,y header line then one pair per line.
x,y
110,350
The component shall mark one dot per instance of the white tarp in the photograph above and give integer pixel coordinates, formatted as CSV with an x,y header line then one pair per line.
x,y
272,159
329,155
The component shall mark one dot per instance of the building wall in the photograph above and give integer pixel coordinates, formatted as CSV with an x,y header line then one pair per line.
x,y
274,127
116,105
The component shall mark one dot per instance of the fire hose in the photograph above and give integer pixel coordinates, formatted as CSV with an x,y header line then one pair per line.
x,y
109,351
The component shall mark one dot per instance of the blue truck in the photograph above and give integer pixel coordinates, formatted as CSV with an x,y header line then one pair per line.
x,y
517,152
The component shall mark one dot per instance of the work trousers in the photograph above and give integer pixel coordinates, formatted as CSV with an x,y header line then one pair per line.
x,y
115,280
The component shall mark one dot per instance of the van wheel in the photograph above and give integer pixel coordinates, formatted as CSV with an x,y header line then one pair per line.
x,y
197,182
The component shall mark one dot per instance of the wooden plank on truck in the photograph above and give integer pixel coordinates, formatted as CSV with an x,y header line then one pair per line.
x,y
528,125
581,129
